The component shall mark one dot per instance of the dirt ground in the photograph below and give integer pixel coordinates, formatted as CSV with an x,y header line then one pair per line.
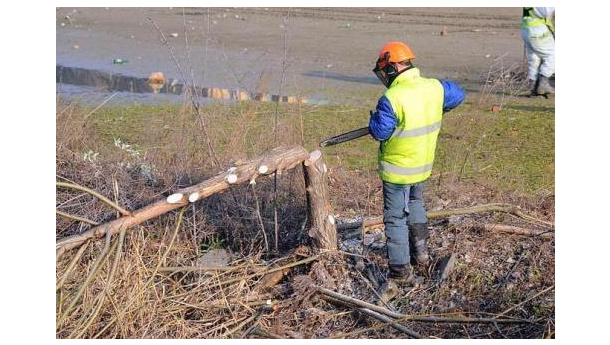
x,y
323,53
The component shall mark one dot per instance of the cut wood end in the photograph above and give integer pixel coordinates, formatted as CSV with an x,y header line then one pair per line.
x,y
263,169
175,198
331,219
194,197
313,156
253,178
231,178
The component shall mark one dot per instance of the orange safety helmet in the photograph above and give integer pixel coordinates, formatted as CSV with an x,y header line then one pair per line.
x,y
398,52
390,53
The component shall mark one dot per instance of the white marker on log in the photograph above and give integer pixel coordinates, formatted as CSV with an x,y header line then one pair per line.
x,y
231,178
331,219
175,198
263,169
194,197
325,168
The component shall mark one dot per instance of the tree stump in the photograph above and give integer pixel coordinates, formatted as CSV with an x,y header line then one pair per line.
x,y
322,226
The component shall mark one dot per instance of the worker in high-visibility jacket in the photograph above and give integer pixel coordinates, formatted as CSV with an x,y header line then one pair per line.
x,y
538,32
407,121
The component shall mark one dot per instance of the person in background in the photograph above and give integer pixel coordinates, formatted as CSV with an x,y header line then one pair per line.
x,y
406,122
538,32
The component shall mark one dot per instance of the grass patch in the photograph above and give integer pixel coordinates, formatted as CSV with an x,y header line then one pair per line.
x,y
510,150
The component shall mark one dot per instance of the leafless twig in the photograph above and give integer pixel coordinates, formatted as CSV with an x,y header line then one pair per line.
x,y
194,100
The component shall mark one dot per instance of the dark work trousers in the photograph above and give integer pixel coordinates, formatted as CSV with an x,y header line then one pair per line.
x,y
402,205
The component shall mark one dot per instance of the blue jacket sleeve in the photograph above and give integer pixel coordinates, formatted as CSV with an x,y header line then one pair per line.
x,y
454,95
382,121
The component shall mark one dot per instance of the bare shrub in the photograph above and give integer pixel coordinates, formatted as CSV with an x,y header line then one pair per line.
x,y
503,82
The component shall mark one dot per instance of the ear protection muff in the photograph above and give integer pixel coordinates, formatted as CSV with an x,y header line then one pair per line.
x,y
389,68
388,72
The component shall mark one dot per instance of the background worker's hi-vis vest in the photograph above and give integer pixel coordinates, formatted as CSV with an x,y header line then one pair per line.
x,y
531,20
408,155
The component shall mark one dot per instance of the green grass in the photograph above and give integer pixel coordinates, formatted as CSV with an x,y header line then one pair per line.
x,y
513,149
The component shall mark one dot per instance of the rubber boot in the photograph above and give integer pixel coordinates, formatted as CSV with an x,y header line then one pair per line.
x,y
387,292
397,275
401,274
543,86
418,242
533,85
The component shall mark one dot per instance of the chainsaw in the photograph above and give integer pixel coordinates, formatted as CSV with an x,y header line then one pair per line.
x,y
341,138
351,135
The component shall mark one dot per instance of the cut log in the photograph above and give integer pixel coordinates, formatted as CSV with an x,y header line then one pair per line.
x,y
322,226
283,156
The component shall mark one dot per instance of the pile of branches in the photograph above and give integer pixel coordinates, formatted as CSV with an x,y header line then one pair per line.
x,y
149,282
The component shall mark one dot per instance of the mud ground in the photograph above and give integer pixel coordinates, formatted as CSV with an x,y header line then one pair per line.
x,y
324,53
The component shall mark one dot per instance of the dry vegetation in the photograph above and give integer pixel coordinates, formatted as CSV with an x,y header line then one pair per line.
x,y
169,277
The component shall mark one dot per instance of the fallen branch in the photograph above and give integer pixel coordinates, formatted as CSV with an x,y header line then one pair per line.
x,y
509,229
228,304
405,317
297,263
249,300
75,259
377,316
102,198
506,208
254,325
96,267
243,323
103,294
176,269
527,300
150,279
388,320
357,302
77,218
283,157
169,246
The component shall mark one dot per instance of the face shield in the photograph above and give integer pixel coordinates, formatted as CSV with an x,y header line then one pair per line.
x,y
384,70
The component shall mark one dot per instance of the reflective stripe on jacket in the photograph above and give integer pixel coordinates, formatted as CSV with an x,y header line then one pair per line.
x,y
407,156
